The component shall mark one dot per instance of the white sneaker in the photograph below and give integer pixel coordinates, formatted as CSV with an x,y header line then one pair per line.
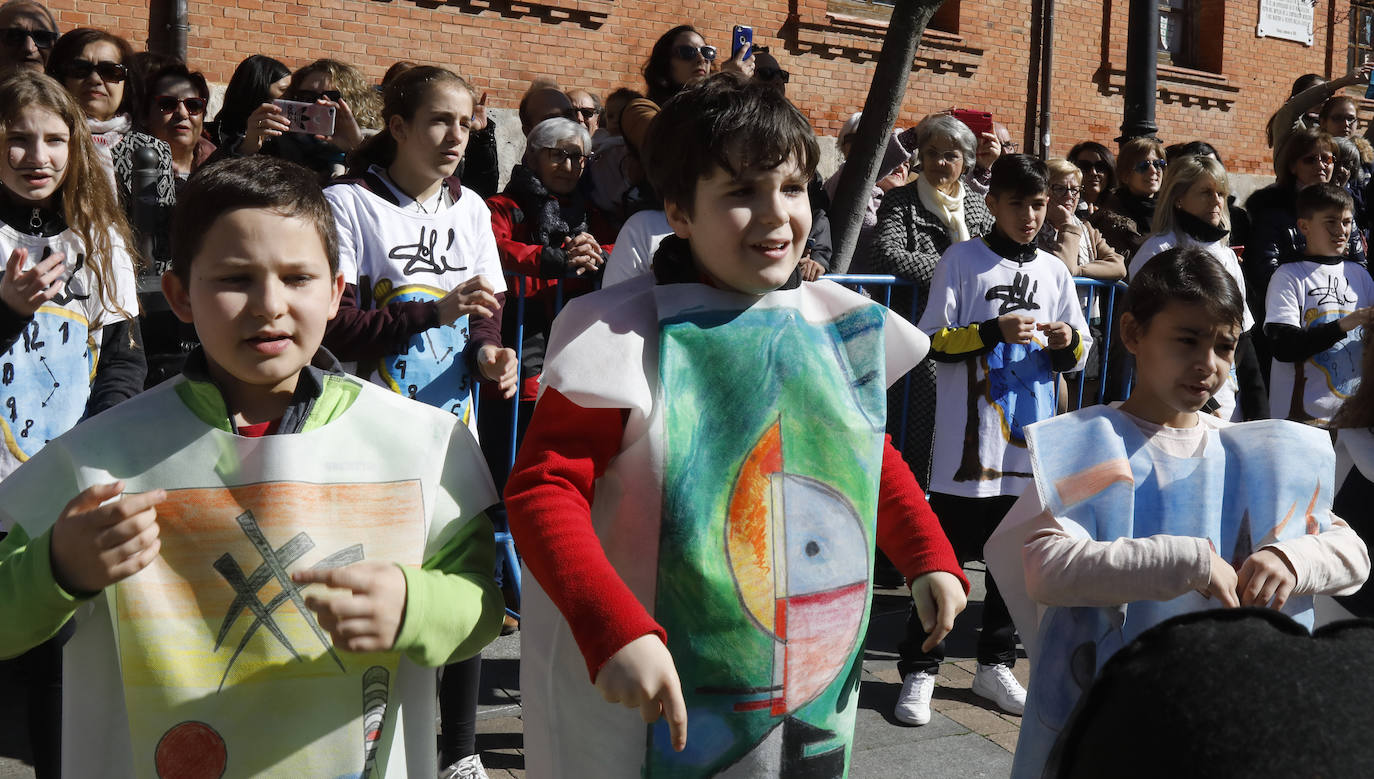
x,y
913,703
469,767
996,683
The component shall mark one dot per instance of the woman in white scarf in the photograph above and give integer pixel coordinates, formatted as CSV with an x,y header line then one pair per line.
x,y
94,67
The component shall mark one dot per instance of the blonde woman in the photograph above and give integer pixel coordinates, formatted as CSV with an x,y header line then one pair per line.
x,y
1192,212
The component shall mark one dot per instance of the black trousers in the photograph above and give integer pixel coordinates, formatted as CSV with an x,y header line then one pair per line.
x,y
34,681
968,522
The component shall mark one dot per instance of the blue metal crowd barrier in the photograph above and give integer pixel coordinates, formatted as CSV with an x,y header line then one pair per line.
x,y
879,288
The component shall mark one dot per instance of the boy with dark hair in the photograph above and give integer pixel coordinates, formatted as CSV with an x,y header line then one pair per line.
x,y
1003,319
1316,309
705,475
205,508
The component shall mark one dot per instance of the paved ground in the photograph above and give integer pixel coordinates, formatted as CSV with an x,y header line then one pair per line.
x,y
965,737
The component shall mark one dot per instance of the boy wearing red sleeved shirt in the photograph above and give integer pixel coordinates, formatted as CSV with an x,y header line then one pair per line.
x,y
705,476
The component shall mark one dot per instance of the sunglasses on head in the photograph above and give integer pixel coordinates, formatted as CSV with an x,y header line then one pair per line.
x,y
112,72
1094,165
195,106
772,74
1144,165
16,36
311,96
690,53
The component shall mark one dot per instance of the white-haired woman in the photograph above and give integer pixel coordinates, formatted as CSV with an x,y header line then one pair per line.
x,y
916,223
550,233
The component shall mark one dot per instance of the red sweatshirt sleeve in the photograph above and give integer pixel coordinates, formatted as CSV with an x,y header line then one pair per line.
x,y
909,533
548,500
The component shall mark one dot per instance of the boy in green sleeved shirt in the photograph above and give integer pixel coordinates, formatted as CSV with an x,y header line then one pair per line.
x,y
265,557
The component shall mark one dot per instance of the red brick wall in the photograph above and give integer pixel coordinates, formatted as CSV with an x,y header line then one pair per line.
x,y
600,45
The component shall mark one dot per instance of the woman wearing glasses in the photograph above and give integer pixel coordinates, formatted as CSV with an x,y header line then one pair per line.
x,y
1124,214
1098,167
1307,157
27,34
1192,212
92,65
174,113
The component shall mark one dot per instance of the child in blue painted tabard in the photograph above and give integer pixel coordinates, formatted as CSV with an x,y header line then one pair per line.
x,y
1149,510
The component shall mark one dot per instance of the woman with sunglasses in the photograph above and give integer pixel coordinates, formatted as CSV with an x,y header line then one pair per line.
x,y
27,34
174,113
1125,213
92,65
1098,167
680,57
1307,157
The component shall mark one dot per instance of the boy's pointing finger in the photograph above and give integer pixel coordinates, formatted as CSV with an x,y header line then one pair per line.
x,y
675,712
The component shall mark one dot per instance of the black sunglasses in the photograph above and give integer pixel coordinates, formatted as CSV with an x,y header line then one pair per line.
x,y
690,53
311,96
16,36
195,106
113,72
1144,165
1096,165
587,112
772,74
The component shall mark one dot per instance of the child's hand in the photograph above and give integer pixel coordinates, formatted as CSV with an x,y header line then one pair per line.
x,y
1265,576
479,115
1016,328
1057,334
368,617
475,297
1361,317
500,365
1222,584
939,597
25,291
642,674
94,545
811,270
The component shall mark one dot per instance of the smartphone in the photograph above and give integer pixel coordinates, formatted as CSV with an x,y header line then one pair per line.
x,y
743,39
978,121
308,118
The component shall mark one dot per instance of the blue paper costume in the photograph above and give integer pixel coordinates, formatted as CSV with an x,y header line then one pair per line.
x,y
1099,477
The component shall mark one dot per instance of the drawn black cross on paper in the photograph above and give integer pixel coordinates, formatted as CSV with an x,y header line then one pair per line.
x,y
274,565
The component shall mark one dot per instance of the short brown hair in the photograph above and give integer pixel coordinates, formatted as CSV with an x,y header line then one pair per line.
x,y
260,182
1133,151
726,122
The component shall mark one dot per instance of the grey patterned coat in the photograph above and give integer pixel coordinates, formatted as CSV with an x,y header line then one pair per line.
x,y
908,241
909,238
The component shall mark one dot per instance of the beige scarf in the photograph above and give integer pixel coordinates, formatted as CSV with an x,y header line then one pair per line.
x,y
950,208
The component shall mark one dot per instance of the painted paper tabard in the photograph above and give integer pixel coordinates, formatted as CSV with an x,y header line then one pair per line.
x,y
773,432
1097,474
225,671
431,369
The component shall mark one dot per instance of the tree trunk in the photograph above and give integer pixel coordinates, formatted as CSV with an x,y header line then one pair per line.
x,y
885,95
